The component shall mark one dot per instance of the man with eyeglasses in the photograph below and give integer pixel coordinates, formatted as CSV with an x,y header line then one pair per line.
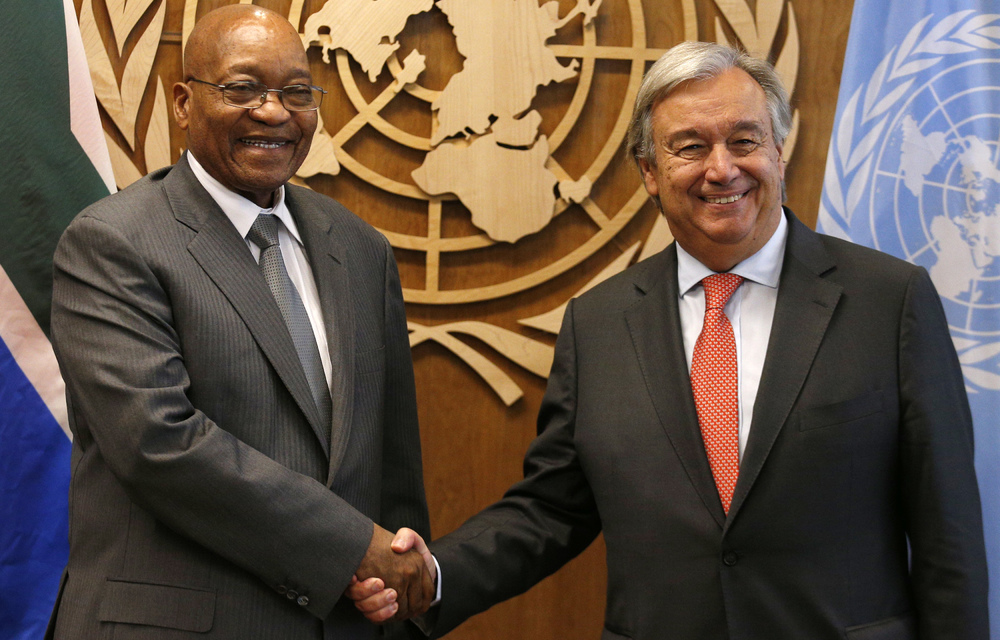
x,y
238,374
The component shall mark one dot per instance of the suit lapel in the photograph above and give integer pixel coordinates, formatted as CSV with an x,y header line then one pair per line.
x,y
655,328
224,256
328,256
805,305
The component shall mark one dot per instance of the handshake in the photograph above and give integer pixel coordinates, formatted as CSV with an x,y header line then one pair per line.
x,y
396,579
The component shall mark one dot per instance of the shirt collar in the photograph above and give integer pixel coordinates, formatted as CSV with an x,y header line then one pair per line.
x,y
241,211
763,267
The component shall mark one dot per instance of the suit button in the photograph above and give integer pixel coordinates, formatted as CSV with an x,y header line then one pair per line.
x,y
303,601
730,558
281,589
291,595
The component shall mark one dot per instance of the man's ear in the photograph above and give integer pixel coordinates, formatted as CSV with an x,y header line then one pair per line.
x,y
781,160
182,102
649,178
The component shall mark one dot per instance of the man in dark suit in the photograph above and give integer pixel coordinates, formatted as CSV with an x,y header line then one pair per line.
x,y
762,420
238,372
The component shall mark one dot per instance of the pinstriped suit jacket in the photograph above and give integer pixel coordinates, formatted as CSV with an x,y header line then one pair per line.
x,y
205,501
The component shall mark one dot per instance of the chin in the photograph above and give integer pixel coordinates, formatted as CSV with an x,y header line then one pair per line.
x,y
268,184
730,231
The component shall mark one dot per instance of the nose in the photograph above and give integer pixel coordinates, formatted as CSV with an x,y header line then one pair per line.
x,y
272,112
720,165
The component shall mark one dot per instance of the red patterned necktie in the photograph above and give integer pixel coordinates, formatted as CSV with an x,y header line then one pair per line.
x,y
713,381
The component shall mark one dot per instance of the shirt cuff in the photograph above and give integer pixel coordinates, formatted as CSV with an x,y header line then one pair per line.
x,y
437,592
425,621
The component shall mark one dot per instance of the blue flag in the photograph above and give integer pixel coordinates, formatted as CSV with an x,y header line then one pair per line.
x,y
34,479
47,176
913,171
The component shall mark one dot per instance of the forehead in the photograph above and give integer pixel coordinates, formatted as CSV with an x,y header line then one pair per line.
x,y
257,48
732,100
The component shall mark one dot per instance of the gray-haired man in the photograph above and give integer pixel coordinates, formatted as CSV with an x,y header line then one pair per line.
x,y
760,419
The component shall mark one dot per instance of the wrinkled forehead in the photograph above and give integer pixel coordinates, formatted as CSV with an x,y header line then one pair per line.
x,y
728,102
252,43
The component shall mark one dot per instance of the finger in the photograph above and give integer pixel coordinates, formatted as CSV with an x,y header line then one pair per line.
x,y
382,600
359,590
381,615
402,609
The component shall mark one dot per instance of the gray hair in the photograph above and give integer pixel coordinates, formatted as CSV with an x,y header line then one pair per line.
x,y
701,61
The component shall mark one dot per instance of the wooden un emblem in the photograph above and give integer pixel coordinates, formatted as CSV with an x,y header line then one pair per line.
x,y
483,138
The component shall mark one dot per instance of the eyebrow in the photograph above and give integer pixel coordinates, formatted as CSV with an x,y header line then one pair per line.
x,y
740,125
254,70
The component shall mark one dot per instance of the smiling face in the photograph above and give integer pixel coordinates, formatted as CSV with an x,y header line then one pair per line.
x,y
718,173
250,151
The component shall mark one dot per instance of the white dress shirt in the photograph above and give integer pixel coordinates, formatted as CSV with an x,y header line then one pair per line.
x,y
750,310
242,213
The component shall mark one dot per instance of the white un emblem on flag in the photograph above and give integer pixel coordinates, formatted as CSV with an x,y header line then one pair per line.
x,y
913,171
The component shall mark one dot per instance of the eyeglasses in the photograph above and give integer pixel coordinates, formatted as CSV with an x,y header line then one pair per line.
x,y
253,95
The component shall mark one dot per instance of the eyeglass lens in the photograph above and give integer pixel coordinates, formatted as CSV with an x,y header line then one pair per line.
x,y
297,97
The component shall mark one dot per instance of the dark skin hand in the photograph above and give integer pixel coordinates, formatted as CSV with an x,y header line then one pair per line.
x,y
405,573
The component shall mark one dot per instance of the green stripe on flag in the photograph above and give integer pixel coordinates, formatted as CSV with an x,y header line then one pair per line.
x,y
45,176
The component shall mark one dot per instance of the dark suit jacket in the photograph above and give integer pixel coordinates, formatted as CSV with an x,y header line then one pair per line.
x,y
207,499
861,438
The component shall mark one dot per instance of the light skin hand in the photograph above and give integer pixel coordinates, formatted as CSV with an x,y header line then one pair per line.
x,y
372,599
376,601
393,580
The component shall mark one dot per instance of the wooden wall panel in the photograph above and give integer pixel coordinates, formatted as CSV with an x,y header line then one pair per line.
x,y
475,429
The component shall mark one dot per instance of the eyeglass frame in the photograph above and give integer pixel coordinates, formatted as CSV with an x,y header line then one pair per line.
x,y
263,94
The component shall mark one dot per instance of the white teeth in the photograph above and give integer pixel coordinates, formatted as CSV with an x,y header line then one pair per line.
x,y
262,144
725,200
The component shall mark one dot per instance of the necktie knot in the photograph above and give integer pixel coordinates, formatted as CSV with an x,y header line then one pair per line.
x,y
719,288
264,232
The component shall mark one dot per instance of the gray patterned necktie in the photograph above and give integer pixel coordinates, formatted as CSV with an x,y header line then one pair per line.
x,y
264,234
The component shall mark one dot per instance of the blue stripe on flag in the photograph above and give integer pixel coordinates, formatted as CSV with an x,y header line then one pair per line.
x,y
34,480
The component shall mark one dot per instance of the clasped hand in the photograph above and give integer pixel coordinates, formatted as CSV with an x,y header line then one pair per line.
x,y
396,578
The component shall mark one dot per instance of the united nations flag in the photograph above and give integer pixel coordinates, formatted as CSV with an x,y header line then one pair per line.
x,y
913,171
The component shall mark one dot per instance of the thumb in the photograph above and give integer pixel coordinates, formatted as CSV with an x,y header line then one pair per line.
x,y
405,540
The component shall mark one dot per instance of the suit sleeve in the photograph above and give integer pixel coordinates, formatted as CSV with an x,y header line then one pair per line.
x,y
541,522
112,326
940,492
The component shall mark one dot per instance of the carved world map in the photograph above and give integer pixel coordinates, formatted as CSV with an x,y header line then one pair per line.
x,y
484,114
